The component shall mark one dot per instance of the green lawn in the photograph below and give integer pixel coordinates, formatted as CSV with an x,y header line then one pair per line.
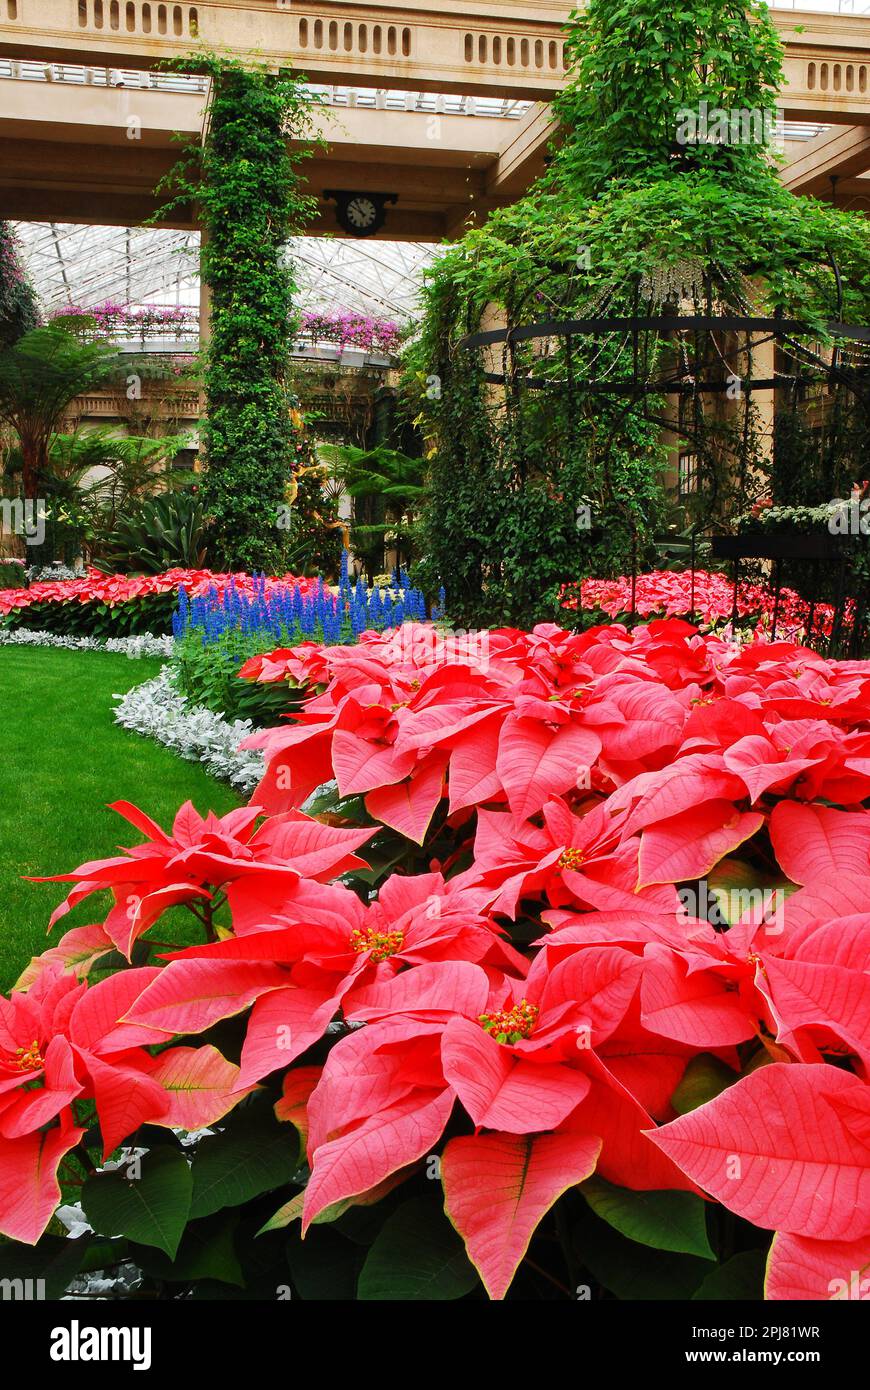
x,y
65,758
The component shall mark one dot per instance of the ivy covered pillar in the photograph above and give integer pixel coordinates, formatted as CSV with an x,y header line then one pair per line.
x,y
245,180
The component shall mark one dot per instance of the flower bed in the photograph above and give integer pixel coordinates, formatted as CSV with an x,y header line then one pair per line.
x,y
156,709
222,628
599,901
710,600
100,604
349,329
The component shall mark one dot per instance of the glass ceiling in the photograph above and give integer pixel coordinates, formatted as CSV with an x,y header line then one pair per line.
x,y
85,266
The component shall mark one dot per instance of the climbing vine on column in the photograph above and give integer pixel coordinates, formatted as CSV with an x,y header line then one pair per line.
x,y
247,185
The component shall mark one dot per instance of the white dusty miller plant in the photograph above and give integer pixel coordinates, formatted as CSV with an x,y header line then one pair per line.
x,y
157,710
146,644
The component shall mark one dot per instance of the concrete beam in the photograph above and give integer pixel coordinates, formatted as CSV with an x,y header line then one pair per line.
x,y
523,157
76,153
841,152
515,47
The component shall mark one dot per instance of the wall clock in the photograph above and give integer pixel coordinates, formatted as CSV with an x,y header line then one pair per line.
x,y
360,214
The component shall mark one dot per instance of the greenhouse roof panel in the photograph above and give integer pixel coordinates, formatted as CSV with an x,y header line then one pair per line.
x,y
85,266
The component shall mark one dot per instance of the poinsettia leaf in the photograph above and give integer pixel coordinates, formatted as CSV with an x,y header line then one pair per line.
x,y
416,1256
664,1220
408,807
785,1147
190,995
535,762
498,1187
296,1090
688,845
503,1091
798,1268
242,1162
293,1210
812,841
803,995
200,1085
370,1153
151,1208
29,1186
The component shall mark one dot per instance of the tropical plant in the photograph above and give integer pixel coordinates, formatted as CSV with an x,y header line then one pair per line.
x,y
158,533
387,488
95,478
40,375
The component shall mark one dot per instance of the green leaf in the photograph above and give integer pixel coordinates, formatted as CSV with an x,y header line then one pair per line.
x,y
207,1251
324,1266
740,1278
417,1256
704,1078
290,1211
152,1209
53,1260
736,886
240,1163
631,1271
665,1220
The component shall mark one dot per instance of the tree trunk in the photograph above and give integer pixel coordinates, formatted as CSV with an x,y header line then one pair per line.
x,y
33,460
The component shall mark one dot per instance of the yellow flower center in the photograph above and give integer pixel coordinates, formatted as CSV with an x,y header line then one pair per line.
x,y
510,1025
381,944
29,1058
571,859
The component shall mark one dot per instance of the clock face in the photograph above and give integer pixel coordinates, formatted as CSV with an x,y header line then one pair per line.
x,y
362,213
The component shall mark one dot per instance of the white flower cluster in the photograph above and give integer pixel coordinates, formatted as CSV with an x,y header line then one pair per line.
x,y
146,644
52,574
157,710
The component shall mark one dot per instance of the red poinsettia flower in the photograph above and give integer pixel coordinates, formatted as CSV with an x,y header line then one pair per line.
x,y
202,854
303,972
62,1042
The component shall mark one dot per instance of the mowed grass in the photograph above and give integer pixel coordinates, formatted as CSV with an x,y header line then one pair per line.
x,y
63,759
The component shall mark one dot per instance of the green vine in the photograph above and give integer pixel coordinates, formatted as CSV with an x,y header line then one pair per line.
x,y
633,217
246,184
